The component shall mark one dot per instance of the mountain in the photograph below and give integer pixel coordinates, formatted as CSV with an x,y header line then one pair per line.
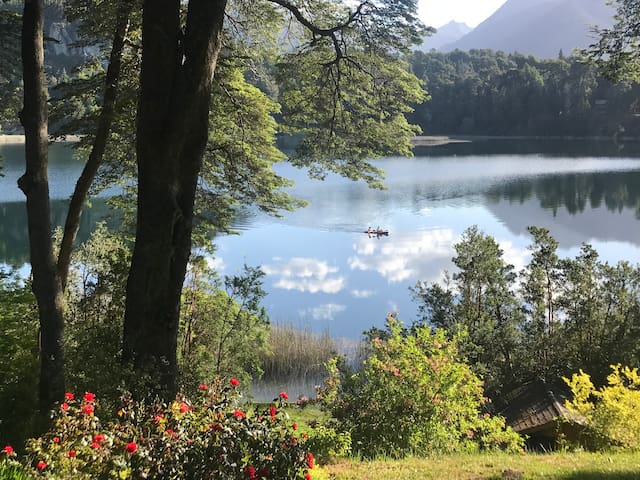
x,y
446,34
538,27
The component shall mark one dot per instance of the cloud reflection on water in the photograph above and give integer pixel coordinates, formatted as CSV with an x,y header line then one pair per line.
x,y
305,275
410,256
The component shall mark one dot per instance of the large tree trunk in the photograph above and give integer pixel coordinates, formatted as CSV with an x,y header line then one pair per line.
x,y
177,71
81,191
35,185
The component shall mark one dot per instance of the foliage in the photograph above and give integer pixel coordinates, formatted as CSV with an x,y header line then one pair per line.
x,y
481,301
95,306
18,357
328,444
616,52
494,93
562,315
10,80
413,395
223,332
211,436
12,470
612,412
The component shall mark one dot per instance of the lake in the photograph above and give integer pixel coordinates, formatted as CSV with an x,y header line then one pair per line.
x,y
325,273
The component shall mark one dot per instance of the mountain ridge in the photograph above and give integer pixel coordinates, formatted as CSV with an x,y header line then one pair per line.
x,y
537,27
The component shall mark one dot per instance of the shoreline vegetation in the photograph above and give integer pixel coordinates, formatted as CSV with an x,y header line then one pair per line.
x,y
417,141
19,139
437,140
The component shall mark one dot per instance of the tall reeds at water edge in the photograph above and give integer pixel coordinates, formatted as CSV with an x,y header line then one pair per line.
x,y
297,353
296,361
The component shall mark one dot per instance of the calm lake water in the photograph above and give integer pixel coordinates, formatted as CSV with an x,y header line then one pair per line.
x,y
325,273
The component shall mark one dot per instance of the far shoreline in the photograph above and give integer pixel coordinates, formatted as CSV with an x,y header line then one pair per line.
x,y
19,139
437,140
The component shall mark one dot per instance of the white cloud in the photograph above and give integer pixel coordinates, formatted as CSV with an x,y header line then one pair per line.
x,y
305,274
362,293
409,257
327,311
518,257
215,263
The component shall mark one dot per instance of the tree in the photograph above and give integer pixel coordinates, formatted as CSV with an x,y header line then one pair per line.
x,y
179,61
616,54
35,185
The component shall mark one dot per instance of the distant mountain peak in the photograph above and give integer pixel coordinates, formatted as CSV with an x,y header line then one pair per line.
x,y
537,27
447,33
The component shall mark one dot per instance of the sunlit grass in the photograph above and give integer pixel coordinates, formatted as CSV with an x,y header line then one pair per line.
x,y
494,466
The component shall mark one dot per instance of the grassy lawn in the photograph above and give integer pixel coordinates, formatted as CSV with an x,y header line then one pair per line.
x,y
494,466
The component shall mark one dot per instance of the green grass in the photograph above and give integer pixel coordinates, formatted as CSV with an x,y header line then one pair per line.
x,y
12,472
588,466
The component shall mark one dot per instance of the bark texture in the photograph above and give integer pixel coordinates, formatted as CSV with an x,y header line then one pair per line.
x,y
81,191
35,185
177,70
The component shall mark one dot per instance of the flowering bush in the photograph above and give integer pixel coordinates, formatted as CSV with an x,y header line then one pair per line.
x,y
612,412
412,396
211,437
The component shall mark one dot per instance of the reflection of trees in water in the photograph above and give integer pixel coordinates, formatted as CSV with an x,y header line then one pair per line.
x,y
576,192
14,240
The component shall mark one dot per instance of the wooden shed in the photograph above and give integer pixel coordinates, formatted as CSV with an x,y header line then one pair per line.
x,y
537,410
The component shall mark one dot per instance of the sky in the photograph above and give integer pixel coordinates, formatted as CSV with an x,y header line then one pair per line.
x,y
437,13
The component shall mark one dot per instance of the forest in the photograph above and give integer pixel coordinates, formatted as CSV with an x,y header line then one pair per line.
x,y
129,356
482,92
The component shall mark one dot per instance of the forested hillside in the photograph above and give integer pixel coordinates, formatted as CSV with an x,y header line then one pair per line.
x,y
494,93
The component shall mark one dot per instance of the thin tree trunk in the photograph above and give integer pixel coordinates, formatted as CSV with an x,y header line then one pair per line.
x,y
177,71
79,197
35,185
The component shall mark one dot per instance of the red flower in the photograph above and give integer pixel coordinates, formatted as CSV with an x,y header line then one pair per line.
x,y
284,396
184,408
64,406
272,411
307,476
171,433
95,445
41,465
56,439
157,418
68,396
239,415
305,436
87,409
294,426
131,447
309,459
203,387
8,449
250,473
234,381
72,453
89,397
293,440
98,438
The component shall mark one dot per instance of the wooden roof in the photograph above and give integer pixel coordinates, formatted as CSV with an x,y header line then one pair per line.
x,y
537,406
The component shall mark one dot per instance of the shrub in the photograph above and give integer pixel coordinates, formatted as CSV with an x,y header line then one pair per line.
x,y
213,437
412,396
328,444
612,412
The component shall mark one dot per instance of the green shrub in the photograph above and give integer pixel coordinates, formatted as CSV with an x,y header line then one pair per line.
x,y
413,395
213,437
328,444
612,412
12,470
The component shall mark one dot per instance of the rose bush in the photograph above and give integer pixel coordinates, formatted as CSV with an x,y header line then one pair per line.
x,y
212,436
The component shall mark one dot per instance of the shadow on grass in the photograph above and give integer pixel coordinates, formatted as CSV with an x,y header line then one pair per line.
x,y
589,475
579,475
